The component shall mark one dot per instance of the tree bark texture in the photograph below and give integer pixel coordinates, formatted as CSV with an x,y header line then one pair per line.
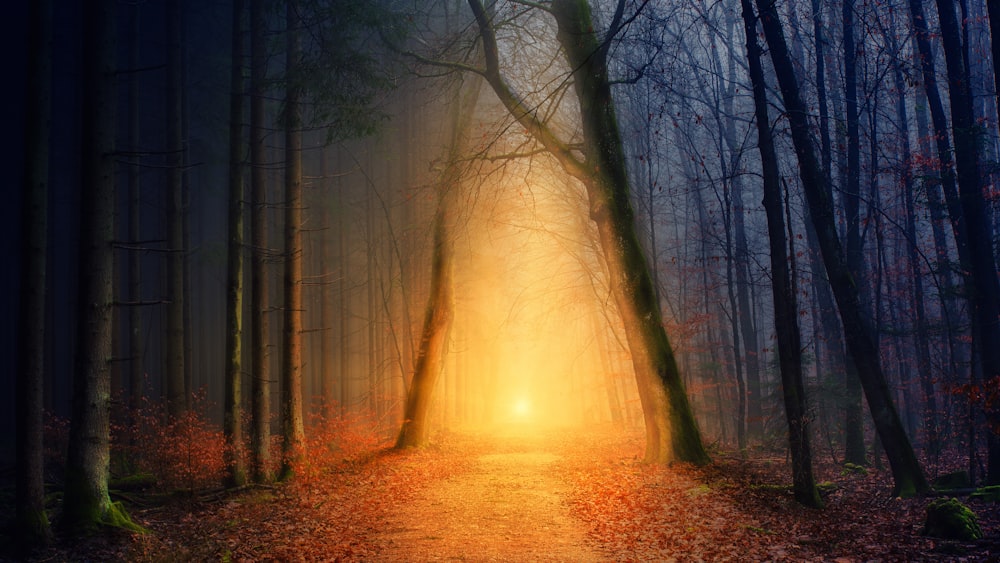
x,y
292,428
260,432
233,417
86,502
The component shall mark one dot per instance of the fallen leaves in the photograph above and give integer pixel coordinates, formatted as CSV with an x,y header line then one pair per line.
x,y
732,510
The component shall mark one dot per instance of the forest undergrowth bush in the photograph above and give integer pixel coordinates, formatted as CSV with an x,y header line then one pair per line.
x,y
183,453
332,444
188,452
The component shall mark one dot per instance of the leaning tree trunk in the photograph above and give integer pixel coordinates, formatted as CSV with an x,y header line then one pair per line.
x,y
786,324
292,429
439,313
671,430
233,419
858,332
86,503
32,524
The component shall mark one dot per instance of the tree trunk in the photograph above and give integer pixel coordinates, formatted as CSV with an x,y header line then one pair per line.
x,y
921,338
176,391
292,430
671,430
439,314
136,342
786,324
993,9
233,418
260,432
86,502
32,524
345,309
854,435
947,182
982,265
908,476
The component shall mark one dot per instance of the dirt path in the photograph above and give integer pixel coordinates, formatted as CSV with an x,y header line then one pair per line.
x,y
509,505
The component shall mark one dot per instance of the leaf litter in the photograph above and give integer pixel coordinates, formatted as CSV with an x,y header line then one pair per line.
x,y
557,495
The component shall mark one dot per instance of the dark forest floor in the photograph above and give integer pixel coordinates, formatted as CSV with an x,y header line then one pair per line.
x,y
543,496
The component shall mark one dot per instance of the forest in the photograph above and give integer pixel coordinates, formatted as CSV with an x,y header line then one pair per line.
x,y
501,280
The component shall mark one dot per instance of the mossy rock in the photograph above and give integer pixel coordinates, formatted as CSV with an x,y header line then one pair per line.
x,y
949,519
854,469
952,481
989,494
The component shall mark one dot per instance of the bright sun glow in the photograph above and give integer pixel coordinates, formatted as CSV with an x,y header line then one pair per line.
x,y
531,345
522,408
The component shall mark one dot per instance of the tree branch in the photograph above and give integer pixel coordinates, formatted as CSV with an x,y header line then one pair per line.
x,y
515,105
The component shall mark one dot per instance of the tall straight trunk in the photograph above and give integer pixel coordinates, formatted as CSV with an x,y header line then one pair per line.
x,y
260,346
292,429
906,470
754,411
993,9
345,308
327,366
829,346
370,294
233,418
986,287
32,524
440,311
175,376
786,324
136,344
921,337
86,503
854,436
741,258
948,186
